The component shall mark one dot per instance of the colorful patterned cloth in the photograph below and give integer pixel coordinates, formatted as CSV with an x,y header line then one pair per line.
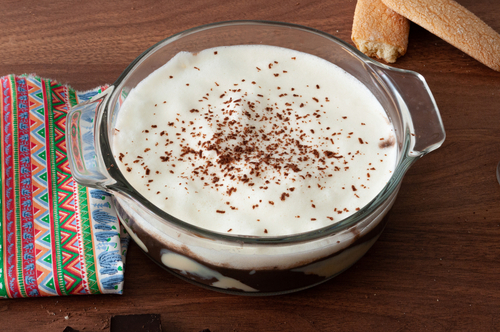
x,y
56,237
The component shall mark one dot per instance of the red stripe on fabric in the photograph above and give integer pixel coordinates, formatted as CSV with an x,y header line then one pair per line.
x,y
64,167
9,198
26,197
50,191
3,288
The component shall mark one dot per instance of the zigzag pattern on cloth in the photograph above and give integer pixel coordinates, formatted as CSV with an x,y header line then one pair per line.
x,y
52,239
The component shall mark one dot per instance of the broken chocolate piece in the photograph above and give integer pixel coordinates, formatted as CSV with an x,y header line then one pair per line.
x,y
136,323
69,329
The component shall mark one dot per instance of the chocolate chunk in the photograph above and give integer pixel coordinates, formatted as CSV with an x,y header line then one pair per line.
x,y
69,329
146,322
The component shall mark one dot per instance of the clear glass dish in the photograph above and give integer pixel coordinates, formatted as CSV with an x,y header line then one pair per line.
x,y
252,265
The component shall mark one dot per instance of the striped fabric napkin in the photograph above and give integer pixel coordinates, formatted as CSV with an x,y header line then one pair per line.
x,y
56,237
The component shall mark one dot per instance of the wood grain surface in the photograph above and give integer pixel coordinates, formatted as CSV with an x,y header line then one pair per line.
x,y
436,267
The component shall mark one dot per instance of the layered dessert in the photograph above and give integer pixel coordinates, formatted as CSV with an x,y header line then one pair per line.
x,y
258,141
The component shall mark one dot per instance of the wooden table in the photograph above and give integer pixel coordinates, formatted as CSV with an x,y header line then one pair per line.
x,y
436,267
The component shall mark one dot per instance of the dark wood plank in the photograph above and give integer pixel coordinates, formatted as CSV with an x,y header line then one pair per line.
x,y
434,268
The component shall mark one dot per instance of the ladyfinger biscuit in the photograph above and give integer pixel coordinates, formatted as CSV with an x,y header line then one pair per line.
x,y
378,31
455,24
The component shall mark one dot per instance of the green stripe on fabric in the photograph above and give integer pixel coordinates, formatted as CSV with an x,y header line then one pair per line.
x,y
57,255
66,191
72,97
17,212
3,289
88,246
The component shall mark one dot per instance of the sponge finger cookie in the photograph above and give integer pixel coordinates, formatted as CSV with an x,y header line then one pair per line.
x,y
455,24
378,31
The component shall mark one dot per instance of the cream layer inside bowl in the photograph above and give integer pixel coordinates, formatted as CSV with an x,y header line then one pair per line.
x,y
254,140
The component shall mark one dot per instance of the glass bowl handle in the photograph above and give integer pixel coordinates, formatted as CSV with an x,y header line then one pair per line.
x,y
426,127
85,159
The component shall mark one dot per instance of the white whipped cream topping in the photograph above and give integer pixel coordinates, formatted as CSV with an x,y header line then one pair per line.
x,y
254,140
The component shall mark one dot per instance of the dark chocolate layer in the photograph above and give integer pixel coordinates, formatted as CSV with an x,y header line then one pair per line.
x,y
273,280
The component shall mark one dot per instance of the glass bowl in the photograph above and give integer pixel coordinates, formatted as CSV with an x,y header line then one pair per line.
x,y
253,265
